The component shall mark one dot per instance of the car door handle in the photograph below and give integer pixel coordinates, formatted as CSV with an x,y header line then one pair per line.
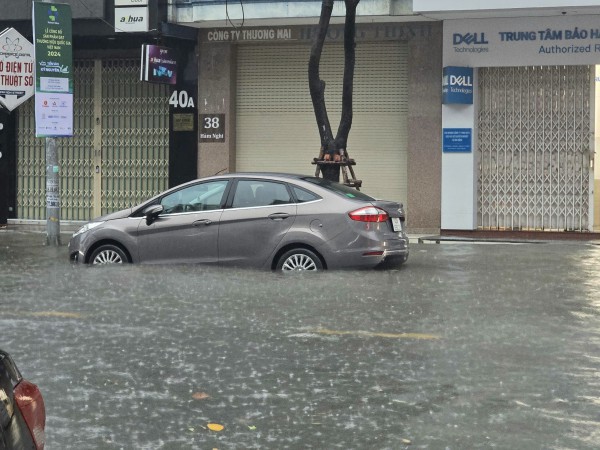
x,y
198,223
279,216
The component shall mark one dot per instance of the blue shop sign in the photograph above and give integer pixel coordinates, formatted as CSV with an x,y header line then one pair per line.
x,y
457,85
457,140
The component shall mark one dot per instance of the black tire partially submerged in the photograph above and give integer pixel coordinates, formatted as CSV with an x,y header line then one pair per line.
x,y
108,254
299,259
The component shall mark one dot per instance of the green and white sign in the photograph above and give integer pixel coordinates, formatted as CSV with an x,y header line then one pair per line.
x,y
52,34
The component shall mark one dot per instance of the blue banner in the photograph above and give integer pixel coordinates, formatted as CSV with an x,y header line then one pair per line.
x,y
457,85
457,140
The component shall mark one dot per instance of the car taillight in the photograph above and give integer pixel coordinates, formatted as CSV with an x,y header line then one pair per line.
x,y
31,404
369,214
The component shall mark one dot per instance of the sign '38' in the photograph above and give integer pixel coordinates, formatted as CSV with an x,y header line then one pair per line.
x,y
212,128
212,122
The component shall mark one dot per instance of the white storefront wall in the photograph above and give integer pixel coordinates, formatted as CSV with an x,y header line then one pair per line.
x,y
424,6
530,41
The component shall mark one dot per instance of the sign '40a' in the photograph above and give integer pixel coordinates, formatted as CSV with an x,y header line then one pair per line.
x,y
16,69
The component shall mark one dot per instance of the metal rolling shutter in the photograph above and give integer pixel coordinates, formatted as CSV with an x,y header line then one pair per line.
x,y
276,129
534,148
135,145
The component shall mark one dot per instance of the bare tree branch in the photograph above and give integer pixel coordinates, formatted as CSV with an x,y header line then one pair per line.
x,y
316,85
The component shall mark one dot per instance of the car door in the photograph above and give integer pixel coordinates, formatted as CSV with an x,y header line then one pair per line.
x,y
252,226
187,230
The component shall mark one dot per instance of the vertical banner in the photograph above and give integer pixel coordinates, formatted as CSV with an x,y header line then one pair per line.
x,y
159,64
52,34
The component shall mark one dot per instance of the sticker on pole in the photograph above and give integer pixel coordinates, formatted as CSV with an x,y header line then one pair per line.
x,y
16,69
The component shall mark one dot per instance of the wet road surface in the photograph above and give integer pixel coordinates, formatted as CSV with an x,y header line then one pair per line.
x,y
467,346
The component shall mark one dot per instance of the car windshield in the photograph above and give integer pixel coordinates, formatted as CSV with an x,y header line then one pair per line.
x,y
338,188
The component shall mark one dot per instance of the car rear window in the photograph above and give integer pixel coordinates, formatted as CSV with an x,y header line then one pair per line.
x,y
338,188
303,196
250,193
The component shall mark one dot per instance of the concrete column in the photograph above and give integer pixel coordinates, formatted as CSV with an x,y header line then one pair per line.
x,y
459,170
425,132
596,148
216,95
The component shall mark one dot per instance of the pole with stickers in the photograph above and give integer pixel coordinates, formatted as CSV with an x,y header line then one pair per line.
x,y
53,96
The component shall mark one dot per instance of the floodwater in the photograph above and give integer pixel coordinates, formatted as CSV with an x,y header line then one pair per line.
x,y
466,346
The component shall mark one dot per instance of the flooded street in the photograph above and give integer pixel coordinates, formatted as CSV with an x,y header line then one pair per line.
x,y
466,346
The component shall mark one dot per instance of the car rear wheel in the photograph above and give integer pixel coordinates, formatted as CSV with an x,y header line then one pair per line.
x,y
108,254
299,259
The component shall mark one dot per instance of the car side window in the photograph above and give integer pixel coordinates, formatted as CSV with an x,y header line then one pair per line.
x,y
303,196
260,193
198,197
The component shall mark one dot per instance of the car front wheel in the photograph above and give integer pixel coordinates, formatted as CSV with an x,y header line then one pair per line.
x,y
108,254
299,259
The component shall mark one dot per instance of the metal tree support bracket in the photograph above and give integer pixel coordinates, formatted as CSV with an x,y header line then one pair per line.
x,y
347,171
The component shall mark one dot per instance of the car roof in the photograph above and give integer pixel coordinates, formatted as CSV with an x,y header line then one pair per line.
x,y
275,175
294,176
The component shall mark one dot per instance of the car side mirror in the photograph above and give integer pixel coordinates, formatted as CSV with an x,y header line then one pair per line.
x,y
152,212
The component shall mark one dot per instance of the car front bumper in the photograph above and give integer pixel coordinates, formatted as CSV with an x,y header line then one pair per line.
x,y
77,249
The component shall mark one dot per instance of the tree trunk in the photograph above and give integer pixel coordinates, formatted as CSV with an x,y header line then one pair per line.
x,y
333,149
341,138
317,91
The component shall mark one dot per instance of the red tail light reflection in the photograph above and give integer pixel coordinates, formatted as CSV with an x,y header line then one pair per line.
x,y
31,404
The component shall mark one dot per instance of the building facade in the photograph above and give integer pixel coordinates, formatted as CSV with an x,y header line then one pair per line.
x,y
521,154
475,117
253,82
121,151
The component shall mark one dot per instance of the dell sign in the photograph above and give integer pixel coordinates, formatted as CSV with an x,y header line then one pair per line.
x,y
457,85
469,39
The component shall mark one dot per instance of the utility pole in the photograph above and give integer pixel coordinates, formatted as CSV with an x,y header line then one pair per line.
x,y
52,193
52,189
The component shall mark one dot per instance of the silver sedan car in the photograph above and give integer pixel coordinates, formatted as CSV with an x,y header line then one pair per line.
x,y
272,221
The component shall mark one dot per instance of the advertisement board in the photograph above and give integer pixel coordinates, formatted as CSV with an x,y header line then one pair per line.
x,y
131,20
457,85
529,41
52,33
158,65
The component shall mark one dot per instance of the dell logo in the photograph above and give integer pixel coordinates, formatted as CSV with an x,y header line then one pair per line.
x,y
469,39
461,80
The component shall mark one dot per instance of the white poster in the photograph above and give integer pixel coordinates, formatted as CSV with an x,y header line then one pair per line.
x,y
54,114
